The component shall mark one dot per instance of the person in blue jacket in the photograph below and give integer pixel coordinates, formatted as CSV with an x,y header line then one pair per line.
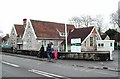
x,y
49,52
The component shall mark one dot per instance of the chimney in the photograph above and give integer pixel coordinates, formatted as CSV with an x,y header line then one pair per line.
x,y
25,22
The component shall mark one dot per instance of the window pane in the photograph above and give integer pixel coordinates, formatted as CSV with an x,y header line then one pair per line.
x,y
111,44
99,45
91,41
56,43
102,44
85,43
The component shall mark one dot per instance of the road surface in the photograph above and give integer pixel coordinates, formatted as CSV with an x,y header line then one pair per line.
x,y
21,67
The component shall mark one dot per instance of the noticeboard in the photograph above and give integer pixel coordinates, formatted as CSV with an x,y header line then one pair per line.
x,y
76,45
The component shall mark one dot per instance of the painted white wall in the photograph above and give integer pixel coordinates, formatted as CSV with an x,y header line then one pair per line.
x,y
106,45
86,44
13,38
29,40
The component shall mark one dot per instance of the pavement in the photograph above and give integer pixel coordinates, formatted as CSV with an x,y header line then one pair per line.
x,y
101,65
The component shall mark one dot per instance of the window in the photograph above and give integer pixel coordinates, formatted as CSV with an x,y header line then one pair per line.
x,y
13,42
56,43
85,43
62,34
100,45
111,44
91,41
97,38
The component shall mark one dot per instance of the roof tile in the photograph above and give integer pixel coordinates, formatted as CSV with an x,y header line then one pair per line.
x,y
19,29
79,33
46,29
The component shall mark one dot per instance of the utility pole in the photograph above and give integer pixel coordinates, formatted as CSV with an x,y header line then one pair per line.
x,y
66,38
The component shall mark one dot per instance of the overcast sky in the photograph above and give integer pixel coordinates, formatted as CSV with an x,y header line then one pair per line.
x,y
13,11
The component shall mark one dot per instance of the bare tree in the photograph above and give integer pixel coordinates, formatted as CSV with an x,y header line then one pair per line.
x,y
76,21
86,20
119,14
114,19
81,21
99,23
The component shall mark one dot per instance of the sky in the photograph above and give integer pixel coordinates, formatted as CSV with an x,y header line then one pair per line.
x,y
14,11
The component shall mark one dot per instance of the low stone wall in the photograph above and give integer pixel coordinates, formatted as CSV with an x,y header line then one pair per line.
x,y
85,55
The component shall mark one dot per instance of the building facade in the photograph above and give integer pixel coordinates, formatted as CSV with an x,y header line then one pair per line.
x,y
88,36
38,33
16,34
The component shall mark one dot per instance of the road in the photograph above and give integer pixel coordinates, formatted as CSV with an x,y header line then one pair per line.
x,y
21,67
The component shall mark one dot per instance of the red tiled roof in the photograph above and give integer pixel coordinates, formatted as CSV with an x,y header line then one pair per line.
x,y
46,29
79,33
19,29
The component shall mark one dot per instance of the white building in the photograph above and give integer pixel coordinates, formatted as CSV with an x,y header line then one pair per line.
x,y
105,45
16,34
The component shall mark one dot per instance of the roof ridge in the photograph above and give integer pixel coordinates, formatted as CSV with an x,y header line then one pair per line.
x,y
18,24
48,29
85,27
49,22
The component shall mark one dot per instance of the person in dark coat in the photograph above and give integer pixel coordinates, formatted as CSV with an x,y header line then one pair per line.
x,y
49,52
42,51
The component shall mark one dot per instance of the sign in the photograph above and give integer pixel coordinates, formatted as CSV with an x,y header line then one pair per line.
x,y
76,45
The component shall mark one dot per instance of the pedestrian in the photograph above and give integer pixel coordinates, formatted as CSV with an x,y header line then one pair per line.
x,y
49,52
55,54
42,51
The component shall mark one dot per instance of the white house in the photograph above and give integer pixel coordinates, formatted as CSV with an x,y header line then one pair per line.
x,y
105,45
38,33
16,34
